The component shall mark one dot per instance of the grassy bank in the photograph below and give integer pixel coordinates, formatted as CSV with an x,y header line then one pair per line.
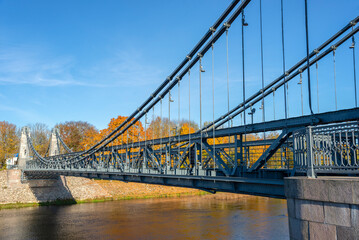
x,y
60,202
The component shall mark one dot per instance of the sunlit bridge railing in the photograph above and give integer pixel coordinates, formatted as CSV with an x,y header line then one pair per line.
x,y
331,149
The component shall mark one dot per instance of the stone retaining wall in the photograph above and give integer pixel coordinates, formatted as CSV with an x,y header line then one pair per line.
x,y
75,188
323,208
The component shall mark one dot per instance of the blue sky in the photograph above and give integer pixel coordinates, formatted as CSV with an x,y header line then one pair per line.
x,y
93,60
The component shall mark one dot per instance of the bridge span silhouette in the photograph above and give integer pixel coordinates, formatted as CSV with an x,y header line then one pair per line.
x,y
314,121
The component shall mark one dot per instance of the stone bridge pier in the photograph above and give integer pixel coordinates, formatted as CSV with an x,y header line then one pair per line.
x,y
323,208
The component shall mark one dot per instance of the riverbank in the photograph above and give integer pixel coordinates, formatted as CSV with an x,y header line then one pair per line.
x,y
60,202
74,190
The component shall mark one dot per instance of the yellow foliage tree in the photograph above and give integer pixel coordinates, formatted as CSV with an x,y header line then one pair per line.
x,y
9,141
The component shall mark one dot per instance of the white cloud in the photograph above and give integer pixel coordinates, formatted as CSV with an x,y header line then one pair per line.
x,y
127,68
24,65
23,114
32,66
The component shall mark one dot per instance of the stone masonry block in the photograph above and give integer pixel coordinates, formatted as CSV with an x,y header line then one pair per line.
x,y
14,178
337,214
315,189
291,207
355,216
340,191
309,210
355,188
298,229
346,233
320,231
293,188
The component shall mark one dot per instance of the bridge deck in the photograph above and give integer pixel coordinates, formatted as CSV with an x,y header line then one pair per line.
x,y
246,185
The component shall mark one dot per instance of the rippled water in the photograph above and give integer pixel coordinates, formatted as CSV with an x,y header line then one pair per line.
x,y
180,218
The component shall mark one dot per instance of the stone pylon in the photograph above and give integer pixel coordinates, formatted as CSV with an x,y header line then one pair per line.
x,y
54,143
24,151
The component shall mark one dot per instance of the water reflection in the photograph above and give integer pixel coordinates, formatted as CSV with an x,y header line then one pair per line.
x,y
186,218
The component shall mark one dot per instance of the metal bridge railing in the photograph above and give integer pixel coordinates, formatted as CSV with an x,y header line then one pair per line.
x,y
331,148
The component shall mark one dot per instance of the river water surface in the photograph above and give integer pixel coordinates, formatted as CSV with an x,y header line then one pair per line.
x,y
205,217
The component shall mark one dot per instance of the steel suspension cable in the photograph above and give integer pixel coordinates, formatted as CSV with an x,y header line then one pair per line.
x,y
285,88
179,120
279,84
335,80
169,129
144,164
227,65
161,132
316,69
262,66
174,82
301,90
203,51
289,71
273,103
200,101
214,133
203,40
354,68
340,42
219,33
153,130
307,44
189,120
132,150
243,74
283,59
122,143
244,82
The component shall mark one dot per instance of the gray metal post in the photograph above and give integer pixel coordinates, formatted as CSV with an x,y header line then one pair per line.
x,y
310,171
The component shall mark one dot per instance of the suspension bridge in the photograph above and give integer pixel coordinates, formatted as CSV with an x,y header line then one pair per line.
x,y
223,155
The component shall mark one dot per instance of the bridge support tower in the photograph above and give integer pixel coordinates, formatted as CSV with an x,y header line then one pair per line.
x,y
54,143
323,208
24,151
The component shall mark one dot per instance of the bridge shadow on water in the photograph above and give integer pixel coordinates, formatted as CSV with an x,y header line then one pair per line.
x,y
43,221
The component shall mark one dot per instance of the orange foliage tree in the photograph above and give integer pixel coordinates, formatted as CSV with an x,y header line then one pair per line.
x,y
134,134
77,135
9,141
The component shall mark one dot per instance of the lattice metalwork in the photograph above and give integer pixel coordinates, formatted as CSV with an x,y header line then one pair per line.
x,y
331,148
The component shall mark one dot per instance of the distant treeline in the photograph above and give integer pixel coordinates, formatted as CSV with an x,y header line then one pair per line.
x,y
80,135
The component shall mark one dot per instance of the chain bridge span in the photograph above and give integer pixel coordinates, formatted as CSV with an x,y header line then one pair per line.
x,y
306,122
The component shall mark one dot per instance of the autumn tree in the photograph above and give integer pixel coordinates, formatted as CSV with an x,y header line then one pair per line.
x,y
9,140
161,127
187,128
77,135
134,134
40,137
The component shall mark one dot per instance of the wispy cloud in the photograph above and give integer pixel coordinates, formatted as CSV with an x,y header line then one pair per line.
x,y
24,114
33,66
27,65
126,68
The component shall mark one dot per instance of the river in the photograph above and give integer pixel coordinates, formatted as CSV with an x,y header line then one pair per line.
x,y
202,217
